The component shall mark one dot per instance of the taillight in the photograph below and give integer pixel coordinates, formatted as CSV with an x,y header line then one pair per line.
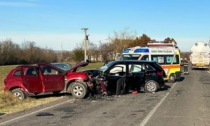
x,y
159,73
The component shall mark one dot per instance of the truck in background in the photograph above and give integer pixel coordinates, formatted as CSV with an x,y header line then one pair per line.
x,y
200,56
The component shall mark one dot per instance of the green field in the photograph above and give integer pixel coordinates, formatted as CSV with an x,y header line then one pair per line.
x,y
9,104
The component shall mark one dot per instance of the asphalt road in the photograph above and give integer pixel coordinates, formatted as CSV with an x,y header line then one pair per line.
x,y
184,103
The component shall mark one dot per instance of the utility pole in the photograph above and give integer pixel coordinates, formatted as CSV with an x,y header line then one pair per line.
x,y
85,42
61,52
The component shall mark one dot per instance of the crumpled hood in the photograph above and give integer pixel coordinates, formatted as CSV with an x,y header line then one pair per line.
x,y
79,64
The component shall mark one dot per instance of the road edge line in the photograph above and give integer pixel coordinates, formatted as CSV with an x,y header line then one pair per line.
x,y
147,118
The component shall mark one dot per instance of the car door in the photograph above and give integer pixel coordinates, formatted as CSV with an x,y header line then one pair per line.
x,y
52,78
114,74
135,76
31,79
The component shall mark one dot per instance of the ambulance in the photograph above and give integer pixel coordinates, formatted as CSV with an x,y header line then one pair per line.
x,y
165,54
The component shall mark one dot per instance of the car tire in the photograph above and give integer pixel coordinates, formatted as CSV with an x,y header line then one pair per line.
x,y
151,86
19,93
121,87
172,78
78,90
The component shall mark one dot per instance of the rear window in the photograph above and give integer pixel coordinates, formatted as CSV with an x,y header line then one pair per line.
x,y
16,73
149,67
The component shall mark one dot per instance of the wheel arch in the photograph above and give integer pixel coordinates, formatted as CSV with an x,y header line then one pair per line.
x,y
69,83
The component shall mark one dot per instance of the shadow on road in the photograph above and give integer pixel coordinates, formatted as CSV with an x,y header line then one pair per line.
x,y
166,87
181,79
49,95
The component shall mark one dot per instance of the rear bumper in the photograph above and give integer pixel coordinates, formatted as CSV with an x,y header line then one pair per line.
x,y
200,65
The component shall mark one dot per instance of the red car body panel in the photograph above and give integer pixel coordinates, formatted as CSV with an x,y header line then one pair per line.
x,y
32,79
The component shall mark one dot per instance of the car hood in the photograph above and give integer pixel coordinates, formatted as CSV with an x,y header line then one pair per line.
x,y
79,64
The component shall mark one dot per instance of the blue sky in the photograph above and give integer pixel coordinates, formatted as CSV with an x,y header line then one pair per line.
x,y
52,23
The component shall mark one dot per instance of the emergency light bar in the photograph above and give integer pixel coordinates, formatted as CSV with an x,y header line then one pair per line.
x,y
141,50
160,44
126,50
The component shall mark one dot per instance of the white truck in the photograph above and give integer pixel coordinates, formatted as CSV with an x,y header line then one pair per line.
x,y
200,55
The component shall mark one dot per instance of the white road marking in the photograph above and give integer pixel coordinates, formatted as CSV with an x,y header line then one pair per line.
x,y
147,118
20,117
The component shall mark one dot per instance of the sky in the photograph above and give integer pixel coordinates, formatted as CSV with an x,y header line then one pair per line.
x,y
57,24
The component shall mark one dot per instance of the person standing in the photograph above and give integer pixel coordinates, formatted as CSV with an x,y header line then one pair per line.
x,y
185,66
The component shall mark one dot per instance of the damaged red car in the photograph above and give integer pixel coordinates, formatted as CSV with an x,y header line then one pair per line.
x,y
26,80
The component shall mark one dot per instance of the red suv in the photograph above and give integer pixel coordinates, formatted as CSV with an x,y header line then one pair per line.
x,y
36,79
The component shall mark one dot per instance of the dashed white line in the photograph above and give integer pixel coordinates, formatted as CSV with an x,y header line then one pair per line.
x,y
147,118
20,117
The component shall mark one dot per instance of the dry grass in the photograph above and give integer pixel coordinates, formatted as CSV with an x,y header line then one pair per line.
x,y
10,104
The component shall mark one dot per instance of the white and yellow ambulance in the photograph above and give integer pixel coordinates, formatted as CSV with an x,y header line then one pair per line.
x,y
165,54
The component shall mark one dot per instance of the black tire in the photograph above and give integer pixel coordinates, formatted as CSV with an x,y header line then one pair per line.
x,y
151,86
78,90
19,93
121,87
172,78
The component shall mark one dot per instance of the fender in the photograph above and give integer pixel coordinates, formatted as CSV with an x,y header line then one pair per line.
x,y
15,84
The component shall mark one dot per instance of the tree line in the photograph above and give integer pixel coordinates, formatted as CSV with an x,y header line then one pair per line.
x,y
29,53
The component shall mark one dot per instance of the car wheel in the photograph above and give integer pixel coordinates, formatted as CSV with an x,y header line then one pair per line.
x,y
172,78
78,90
151,86
19,93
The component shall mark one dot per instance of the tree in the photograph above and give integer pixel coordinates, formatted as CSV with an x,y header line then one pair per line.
x,y
93,52
78,54
170,40
10,52
140,41
120,41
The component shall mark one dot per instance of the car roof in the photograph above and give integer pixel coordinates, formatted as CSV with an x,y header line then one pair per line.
x,y
133,61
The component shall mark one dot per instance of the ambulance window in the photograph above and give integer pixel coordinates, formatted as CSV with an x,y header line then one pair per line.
x,y
171,58
154,59
158,58
145,57
176,60
135,56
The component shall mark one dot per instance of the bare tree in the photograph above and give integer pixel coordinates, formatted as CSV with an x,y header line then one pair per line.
x,y
9,52
121,40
